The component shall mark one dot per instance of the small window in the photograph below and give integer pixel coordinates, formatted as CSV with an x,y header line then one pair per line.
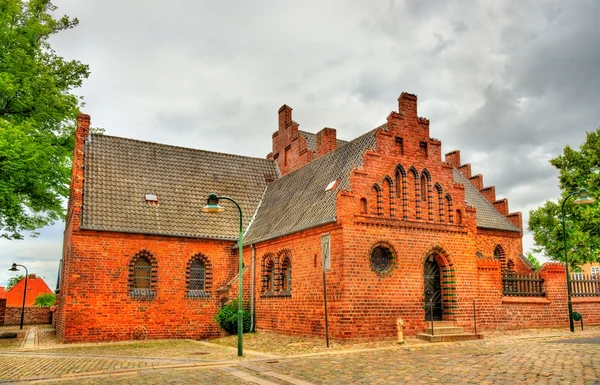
x,y
332,185
142,276
287,275
423,148
269,276
595,272
151,198
578,276
400,145
142,272
382,259
198,277
363,205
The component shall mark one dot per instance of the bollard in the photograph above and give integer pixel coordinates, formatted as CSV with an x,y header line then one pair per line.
x,y
400,326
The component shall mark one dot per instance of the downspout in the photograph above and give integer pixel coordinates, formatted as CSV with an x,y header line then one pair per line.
x,y
252,289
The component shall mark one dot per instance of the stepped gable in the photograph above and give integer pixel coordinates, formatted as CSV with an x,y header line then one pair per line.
x,y
311,140
119,172
487,216
298,200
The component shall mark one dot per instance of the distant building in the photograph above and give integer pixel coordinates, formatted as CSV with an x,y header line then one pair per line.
x,y
401,231
591,270
35,287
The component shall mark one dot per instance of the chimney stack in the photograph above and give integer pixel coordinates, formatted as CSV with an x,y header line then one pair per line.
x,y
326,141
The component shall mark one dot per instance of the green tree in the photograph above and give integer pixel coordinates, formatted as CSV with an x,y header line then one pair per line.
x,y
38,112
12,281
578,169
45,300
533,260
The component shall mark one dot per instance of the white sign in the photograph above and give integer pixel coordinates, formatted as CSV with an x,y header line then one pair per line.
x,y
325,247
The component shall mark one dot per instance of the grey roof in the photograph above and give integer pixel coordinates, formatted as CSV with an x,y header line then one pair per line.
x,y
487,216
311,140
299,200
119,172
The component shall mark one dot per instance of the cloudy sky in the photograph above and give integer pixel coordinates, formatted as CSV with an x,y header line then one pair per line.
x,y
509,83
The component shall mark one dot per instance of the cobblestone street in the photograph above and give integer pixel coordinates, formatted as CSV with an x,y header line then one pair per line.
x,y
552,358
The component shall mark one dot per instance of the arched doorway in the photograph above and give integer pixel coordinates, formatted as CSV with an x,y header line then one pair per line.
x,y
432,289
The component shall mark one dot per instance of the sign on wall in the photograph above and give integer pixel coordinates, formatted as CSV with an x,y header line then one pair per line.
x,y
325,248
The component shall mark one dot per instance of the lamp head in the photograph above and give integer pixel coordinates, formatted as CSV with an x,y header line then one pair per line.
x,y
212,205
584,198
13,268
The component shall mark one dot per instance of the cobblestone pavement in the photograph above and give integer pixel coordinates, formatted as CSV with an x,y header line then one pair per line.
x,y
555,358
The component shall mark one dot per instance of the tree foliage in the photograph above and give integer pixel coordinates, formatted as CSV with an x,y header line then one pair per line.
x,y
578,169
227,318
12,281
533,260
45,300
38,112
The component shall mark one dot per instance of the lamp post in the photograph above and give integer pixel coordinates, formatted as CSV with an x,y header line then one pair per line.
x,y
212,206
583,199
14,268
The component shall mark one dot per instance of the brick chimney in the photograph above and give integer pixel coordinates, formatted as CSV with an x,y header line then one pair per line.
x,y
285,116
326,141
407,105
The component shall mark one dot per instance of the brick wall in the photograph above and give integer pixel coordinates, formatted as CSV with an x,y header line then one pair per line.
x,y
95,302
2,310
33,315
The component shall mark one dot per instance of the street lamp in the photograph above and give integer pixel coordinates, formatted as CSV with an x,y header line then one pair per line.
x,y
212,206
583,199
14,268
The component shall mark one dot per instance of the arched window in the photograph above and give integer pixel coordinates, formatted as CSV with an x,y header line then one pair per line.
x,y
286,271
440,201
500,255
142,273
450,208
413,175
510,265
388,196
198,276
376,200
427,194
402,190
458,217
268,273
363,205
143,276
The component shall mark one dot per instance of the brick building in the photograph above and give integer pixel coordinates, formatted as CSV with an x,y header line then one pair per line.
x,y
404,232
35,287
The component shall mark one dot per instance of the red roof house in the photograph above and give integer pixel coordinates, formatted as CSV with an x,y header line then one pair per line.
x,y
35,287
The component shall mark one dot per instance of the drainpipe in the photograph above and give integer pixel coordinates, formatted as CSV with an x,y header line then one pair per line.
x,y
252,289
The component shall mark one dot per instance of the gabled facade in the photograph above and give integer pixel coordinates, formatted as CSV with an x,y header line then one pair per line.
x,y
403,232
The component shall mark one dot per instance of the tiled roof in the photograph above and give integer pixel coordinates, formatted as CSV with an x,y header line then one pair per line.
x,y
119,172
487,216
311,140
299,200
35,287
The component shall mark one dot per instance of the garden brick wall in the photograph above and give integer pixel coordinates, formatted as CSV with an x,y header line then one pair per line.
x,y
2,310
33,315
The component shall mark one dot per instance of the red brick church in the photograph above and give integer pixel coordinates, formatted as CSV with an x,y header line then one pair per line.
x,y
404,233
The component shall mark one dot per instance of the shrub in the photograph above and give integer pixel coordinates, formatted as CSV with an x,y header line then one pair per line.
x,y
45,300
227,317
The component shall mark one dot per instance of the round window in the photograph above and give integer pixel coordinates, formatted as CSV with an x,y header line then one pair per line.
x,y
382,259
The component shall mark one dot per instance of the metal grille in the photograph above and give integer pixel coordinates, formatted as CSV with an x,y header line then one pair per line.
x,y
380,259
197,275
142,272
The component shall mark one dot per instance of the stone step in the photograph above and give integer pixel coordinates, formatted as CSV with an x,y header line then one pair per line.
x,y
449,337
444,330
